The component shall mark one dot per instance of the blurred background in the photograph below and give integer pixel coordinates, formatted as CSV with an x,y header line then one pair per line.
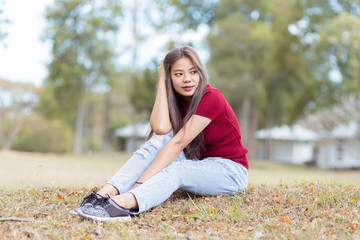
x,y
79,76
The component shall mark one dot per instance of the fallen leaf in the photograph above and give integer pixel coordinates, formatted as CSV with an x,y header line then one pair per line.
x,y
59,197
250,229
284,219
277,199
157,212
218,226
352,227
18,213
346,213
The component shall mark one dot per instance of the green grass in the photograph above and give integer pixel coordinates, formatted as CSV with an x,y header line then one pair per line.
x,y
281,202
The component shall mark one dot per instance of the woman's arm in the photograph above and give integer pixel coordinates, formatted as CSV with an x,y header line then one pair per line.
x,y
160,119
172,149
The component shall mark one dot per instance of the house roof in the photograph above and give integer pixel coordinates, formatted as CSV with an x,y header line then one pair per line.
x,y
140,130
293,133
345,131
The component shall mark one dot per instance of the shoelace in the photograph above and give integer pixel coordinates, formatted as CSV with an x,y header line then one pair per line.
x,y
104,201
89,199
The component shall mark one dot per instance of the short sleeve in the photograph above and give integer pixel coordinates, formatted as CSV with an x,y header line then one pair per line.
x,y
212,105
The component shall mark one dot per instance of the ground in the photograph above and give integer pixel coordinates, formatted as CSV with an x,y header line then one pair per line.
x,y
281,202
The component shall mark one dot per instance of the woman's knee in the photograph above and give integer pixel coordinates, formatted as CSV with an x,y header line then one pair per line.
x,y
155,143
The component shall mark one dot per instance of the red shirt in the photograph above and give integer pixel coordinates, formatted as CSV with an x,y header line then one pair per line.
x,y
222,137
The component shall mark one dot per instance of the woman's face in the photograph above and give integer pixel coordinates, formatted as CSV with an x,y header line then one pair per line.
x,y
185,78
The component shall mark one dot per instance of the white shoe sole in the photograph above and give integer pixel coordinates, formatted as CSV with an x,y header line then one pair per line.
x,y
75,211
106,219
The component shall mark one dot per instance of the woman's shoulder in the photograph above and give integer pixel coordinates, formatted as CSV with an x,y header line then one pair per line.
x,y
213,97
213,92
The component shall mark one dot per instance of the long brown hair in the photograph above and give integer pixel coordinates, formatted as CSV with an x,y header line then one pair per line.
x,y
193,150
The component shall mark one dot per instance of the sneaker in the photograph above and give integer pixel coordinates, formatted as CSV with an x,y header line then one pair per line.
x,y
89,201
107,210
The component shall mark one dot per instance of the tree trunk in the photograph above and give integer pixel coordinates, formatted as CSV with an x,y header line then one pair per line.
x,y
106,139
133,138
268,140
245,120
89,134
252,128
79,126
14,133
2,136
248,125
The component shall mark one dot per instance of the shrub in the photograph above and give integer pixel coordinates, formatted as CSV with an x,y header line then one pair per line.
x,y
41,135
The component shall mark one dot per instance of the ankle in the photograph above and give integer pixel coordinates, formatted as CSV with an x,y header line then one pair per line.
x,y
126,200
108,189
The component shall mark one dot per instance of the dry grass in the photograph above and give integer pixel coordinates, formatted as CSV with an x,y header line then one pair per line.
x,y
300,203
301,211
24,170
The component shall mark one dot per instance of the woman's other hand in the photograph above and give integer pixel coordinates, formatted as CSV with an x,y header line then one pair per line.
x,y
161,72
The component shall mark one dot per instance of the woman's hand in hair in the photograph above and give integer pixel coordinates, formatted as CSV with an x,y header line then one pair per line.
x,y
161,72
160,118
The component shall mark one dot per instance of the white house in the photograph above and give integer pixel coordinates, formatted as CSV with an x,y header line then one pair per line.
x,y
340,149
131,137
287,144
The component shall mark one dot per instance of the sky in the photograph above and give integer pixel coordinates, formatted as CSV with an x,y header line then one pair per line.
x,y
24,55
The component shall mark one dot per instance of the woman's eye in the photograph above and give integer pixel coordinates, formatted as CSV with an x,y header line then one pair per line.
x,y
193,72
178,74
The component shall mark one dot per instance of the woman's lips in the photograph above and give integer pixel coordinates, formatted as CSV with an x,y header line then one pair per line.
x,y
188,88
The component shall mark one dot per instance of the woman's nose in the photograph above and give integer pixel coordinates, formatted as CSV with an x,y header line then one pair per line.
x,y
187,77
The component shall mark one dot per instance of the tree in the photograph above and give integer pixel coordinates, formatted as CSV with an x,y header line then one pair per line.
x,y
260,64
238,55
143,94
187,14
338,50
16,101
82,33
3,21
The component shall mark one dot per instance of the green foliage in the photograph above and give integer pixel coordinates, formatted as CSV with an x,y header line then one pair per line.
x,y
338,49
291,86
143,92
16,100
188,14
83,55
239,70
268,52
47,104
41,135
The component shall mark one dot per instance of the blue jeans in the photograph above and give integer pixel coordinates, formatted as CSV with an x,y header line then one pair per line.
x,y
208,177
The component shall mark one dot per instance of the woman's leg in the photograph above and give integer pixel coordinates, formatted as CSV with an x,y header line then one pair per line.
x,y
125,178
211,176
214,176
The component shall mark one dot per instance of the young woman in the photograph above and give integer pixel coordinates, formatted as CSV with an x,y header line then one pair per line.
x,y
205,156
